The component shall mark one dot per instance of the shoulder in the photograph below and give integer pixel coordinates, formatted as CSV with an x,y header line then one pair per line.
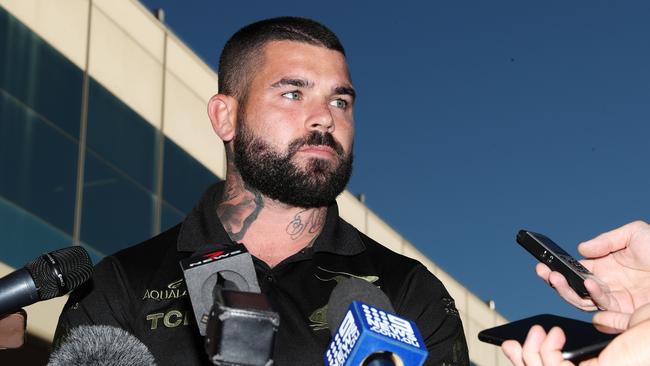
x,y
408,282
152,248
143,257
129,270
392,264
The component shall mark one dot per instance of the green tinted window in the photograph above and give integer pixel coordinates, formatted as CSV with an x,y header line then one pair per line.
x,y
39,76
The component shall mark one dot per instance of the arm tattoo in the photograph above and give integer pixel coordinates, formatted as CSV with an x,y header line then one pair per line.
x,y
312,224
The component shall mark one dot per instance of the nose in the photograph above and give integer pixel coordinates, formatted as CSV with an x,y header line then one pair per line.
x,y
320,119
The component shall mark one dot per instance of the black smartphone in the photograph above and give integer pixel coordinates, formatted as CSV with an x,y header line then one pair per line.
x,y
556,258
583,340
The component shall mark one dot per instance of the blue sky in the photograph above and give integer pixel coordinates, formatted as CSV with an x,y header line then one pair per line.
x,y
478,118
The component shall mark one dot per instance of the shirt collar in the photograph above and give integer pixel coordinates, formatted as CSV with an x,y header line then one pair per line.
x,y
202,229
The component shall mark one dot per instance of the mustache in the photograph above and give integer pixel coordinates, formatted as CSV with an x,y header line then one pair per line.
x,y
316,139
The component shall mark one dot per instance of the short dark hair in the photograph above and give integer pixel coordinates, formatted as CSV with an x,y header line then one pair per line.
x,y
243,51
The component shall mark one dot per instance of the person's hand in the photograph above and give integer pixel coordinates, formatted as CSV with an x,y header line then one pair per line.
x,y
12,329
630,347
539,349
620,259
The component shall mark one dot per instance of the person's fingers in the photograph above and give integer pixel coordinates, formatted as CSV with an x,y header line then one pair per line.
x,y
562,287
588,263
610,241
543,271
628,349
611,319
590,362
512,350
640,315
532,345
551,348
601,295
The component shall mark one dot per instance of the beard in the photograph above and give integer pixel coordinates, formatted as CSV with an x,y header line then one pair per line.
x,y
275,175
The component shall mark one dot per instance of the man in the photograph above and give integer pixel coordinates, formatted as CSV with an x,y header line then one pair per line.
x,y
621,260
284,113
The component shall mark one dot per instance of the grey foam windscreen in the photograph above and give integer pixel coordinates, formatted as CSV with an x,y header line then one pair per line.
x,y
350,290
101,345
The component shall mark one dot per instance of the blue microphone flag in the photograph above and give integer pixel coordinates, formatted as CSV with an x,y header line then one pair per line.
x,y
366,330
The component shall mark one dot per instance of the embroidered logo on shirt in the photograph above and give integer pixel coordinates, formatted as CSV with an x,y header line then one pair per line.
x,y
450,306
169,319
174,290
318,319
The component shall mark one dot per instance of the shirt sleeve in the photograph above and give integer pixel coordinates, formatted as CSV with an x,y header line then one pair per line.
x,y
426,301
103,300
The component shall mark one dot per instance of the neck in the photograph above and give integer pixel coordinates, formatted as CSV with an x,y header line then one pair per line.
x,y
270,230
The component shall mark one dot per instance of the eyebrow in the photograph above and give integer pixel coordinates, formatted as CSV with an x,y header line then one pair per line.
x,y
304,83
299,83
346,90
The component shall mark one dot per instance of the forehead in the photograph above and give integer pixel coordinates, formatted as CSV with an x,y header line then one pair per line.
x,y
298,59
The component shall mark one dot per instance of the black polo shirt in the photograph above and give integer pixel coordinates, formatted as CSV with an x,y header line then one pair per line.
x,y
141,290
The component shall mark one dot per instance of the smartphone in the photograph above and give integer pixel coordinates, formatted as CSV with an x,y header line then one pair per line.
x,y
556,258
583,340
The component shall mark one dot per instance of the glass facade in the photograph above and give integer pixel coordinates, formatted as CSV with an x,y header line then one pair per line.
x,y
41,106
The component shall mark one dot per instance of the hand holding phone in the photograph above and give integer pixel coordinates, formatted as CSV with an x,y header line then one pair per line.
x,y
583,340
557,259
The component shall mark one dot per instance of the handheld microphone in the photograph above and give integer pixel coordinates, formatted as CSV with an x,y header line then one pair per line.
x,y
101,345
231,268
50,275
366,334
241,329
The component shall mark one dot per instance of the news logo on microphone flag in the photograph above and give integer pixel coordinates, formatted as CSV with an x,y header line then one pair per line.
x,y
366,330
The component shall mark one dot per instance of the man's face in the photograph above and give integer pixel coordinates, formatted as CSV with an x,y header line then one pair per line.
x,y
294,133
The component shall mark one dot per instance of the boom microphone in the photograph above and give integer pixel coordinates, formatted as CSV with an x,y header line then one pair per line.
x,y
366,334
50,275
101,345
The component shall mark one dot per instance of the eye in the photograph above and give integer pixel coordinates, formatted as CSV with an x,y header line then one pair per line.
x,y
339,103
292,95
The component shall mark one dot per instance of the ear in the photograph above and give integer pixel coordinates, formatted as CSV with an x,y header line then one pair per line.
x,y
222,110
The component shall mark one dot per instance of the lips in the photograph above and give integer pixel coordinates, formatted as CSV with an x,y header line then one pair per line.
x,y
323,149
317,143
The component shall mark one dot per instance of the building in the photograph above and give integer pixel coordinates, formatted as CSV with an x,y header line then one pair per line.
x,y
103,125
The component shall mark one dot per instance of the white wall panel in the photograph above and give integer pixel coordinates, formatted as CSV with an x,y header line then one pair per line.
x,y
479,310
126,69
61,23
411,251
382,233
137,22
352,211
484,354
189,68
502,360
188,125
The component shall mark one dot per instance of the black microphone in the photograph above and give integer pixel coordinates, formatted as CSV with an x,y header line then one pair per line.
x,y
205,273
366,331
101,345
237,320
241,329
50,275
